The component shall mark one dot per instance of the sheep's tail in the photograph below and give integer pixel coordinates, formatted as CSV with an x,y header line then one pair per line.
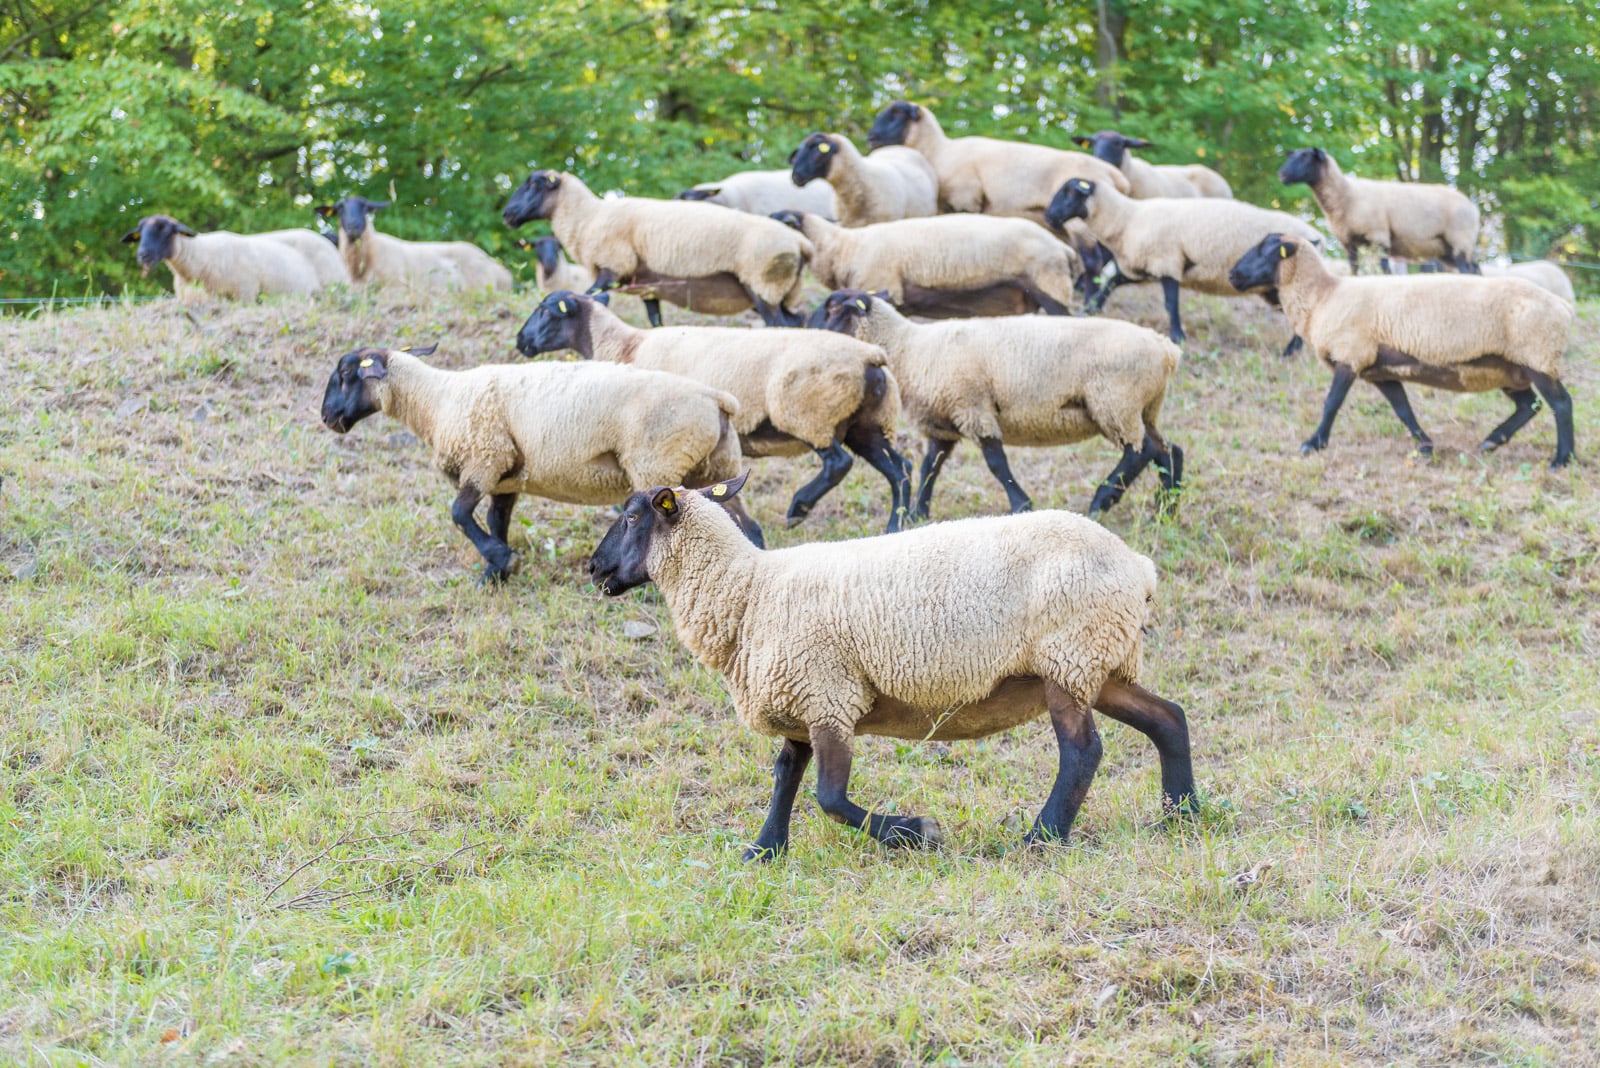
x,y
727,402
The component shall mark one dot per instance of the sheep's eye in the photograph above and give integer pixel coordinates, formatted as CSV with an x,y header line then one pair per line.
x,y
632,518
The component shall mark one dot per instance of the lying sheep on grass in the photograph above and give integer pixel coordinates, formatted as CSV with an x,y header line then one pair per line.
x,y
798,390
954,631
670,242
1455,332
1028,380
1150,179
1179,242
945,266
578,433
892,183
373,257
241,266
1413,220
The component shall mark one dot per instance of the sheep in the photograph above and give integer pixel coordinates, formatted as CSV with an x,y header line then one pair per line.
x,y
221,263
892,183
1154,180
1454,332
320,250
1029,380
373,257
577,433
552,269
1180,242
764,192
797,390
1409,219
670,243
1542,273
947,265
954,631
986,175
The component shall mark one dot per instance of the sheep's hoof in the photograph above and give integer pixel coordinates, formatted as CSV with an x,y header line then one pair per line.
x,y
917,832
1176,815
1040,839
1489,445
1559,462
1312,445
761,854
795,517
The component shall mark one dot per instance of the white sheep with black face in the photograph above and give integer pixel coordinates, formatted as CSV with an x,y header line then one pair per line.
x,y
1449,331
953,631
1154,179
371,257
225,264
893,182
577,433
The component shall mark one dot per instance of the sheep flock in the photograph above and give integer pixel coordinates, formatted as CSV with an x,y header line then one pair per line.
x,y
965,279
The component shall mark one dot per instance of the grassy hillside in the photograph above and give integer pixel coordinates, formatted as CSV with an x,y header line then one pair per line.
x,y
280,783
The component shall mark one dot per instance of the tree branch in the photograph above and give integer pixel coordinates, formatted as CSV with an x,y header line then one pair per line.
x,y
65,20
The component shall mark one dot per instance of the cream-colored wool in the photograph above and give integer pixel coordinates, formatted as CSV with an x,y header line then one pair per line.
x,y
582,433
1175,180
242,266
678,239
1193,241
806,383
994,177
567,275
945,252
892,182
1410,219
1444,320
920,626
1026,379
1542,273
322,254
764,192
376,257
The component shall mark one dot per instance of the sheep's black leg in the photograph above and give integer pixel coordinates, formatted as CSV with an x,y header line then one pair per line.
x,y
1465,263
1050,305
1164,723
787,771
496,553
994,454
1110,491
1343,377
1395,393
1294,346
872,445
1169,290
1383,264
1080,746
1169,465
652,310
500,506
833,781
1560,401
836,464
1527,403
775,316
1353,252
938,452
747,526
606,279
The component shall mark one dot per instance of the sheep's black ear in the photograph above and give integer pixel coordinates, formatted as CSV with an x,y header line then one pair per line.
x,y
326,211
792,155
603,297
549,179
182,229
665,503
1137,142
881,294
429,351
1079,139
1285,250
1319,154
1079,185
727,490
374,205
916,111
374,366
131,236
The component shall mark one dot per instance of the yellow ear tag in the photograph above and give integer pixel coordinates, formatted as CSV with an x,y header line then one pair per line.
x,y
824,148
719,490
666,504
367,362
861,304
1283,252
562,305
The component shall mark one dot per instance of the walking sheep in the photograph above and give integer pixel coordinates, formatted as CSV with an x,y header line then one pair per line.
x,y
954,631
636,238
798,390
1027,380
222,263
1455,332
373,257
764,192
1154,180
1408,219
891,183
1179,242
578,433
944,266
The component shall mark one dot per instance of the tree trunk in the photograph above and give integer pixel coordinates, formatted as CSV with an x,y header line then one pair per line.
x,y
1111,28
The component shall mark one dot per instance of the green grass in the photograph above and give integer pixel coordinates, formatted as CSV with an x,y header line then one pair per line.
x,y
280,783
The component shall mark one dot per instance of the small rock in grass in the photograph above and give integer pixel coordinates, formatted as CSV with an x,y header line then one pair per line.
x,y
131,406
637,629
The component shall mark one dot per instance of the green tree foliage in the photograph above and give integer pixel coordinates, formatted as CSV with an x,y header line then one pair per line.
x,y
244,114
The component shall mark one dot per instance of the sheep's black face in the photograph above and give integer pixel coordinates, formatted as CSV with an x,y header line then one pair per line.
x,y
532,199
155,235
1070,202
618,563
353,213
1111,146
1259,266
349,397
892,124
561,321
813,159
844,310
1303,165
547,251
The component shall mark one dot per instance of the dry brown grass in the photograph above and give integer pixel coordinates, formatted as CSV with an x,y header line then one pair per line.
x,y
237,651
